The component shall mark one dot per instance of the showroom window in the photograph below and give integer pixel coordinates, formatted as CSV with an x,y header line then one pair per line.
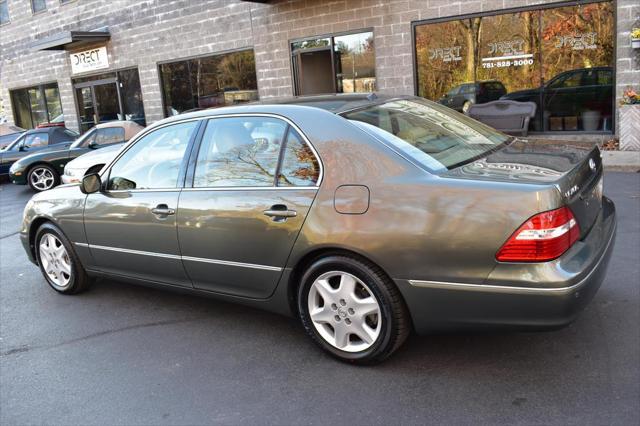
x,y
561,58
208,82
334,64
36,105
108,97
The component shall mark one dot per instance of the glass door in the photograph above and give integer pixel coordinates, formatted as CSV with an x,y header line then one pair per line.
x,y
98,102
84,97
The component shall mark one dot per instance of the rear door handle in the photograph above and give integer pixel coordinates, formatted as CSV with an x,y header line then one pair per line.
x,y
280,213
162,210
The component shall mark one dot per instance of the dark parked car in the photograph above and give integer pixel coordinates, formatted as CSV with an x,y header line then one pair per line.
x,y
42,170
463,96
35,140
573,93
381,216
8,134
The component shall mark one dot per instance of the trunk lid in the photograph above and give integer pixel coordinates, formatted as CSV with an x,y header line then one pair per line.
x,y
575,169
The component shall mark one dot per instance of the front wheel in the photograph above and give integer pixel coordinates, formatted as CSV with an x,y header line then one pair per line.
x,y
43,177
58,262
352,310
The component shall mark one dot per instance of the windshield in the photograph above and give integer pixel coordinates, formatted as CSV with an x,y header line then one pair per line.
x,y
13,146
431,134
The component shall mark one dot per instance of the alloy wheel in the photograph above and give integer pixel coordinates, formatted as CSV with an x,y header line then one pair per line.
x,y
42,178
55,261
344,311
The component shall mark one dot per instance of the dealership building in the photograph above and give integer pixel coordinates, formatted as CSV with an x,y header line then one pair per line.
x,y
89,61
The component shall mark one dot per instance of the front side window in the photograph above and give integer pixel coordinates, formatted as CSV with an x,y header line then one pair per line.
x,y
299,164
239,151
429,133
154,161
109,135
36,140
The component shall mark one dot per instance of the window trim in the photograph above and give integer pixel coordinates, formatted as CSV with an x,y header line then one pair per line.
x,y
188,185
519,9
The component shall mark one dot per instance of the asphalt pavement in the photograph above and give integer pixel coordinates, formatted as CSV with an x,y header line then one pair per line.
x,y
126,355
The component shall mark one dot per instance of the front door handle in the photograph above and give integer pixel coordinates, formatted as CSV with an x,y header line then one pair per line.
x,y
162,210
280,213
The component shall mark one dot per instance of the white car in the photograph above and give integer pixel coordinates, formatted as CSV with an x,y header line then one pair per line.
x,y
91,162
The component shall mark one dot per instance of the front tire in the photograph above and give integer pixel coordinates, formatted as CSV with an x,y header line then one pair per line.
x,y
352,310
58,262
43,177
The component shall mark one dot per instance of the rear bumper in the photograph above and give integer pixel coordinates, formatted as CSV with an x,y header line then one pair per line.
x,y
521,296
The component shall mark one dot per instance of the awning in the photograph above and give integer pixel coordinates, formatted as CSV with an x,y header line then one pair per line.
x,y
70,40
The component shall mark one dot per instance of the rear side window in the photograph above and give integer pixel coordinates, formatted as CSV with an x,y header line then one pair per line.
x,y
109,135
239,151
155,159
299,164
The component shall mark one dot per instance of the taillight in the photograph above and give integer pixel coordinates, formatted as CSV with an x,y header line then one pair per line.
x,y
544,237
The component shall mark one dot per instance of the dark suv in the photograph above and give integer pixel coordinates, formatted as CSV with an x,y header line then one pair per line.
x,y
463,96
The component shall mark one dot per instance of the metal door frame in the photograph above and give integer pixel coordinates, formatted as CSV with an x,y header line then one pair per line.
x,y
91,85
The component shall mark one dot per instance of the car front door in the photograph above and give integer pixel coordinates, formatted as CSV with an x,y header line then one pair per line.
x,y
252,184
131,224
28,144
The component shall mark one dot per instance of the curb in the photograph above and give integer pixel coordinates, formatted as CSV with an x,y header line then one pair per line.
x,y
621,161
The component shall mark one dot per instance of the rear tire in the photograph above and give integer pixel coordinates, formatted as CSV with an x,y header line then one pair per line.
x,y
352,310
58,261
43,177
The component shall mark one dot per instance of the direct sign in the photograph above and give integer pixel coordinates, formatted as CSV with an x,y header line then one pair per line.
x,y
89,60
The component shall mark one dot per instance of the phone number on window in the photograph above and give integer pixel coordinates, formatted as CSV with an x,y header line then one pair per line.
x,y
504,64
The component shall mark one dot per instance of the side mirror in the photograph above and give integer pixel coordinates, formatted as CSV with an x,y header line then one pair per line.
x,y
23,148
93,145
91,183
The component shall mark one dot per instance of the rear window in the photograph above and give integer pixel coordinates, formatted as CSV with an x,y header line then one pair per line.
x,y
433,135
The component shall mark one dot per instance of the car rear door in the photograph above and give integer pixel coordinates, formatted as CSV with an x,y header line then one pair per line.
x,y
131,224
251,185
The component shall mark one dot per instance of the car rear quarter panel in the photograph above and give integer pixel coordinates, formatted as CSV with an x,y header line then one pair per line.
x,y
418,226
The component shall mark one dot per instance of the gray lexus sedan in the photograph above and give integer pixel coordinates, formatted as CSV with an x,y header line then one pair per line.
x,y
365,216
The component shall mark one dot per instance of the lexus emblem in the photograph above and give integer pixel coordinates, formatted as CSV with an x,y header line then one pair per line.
x,y
592,165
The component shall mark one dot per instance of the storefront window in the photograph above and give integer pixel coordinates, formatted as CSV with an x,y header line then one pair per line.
x,y
208,82
108,97
338,64
36,105
559,58
4,12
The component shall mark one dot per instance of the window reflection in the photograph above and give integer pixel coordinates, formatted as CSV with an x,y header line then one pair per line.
x,y
239,152
559,58
338,64
208,82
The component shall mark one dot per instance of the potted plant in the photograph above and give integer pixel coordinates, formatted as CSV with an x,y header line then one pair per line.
x,y
630,120
635,38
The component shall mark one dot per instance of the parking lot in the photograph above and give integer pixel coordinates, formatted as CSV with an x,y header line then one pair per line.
x,y
122,354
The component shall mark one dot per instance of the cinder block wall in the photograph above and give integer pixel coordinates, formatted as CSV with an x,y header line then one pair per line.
x,y
146,32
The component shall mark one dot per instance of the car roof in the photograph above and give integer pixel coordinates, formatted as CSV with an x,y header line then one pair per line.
x,y
336,104
131,128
